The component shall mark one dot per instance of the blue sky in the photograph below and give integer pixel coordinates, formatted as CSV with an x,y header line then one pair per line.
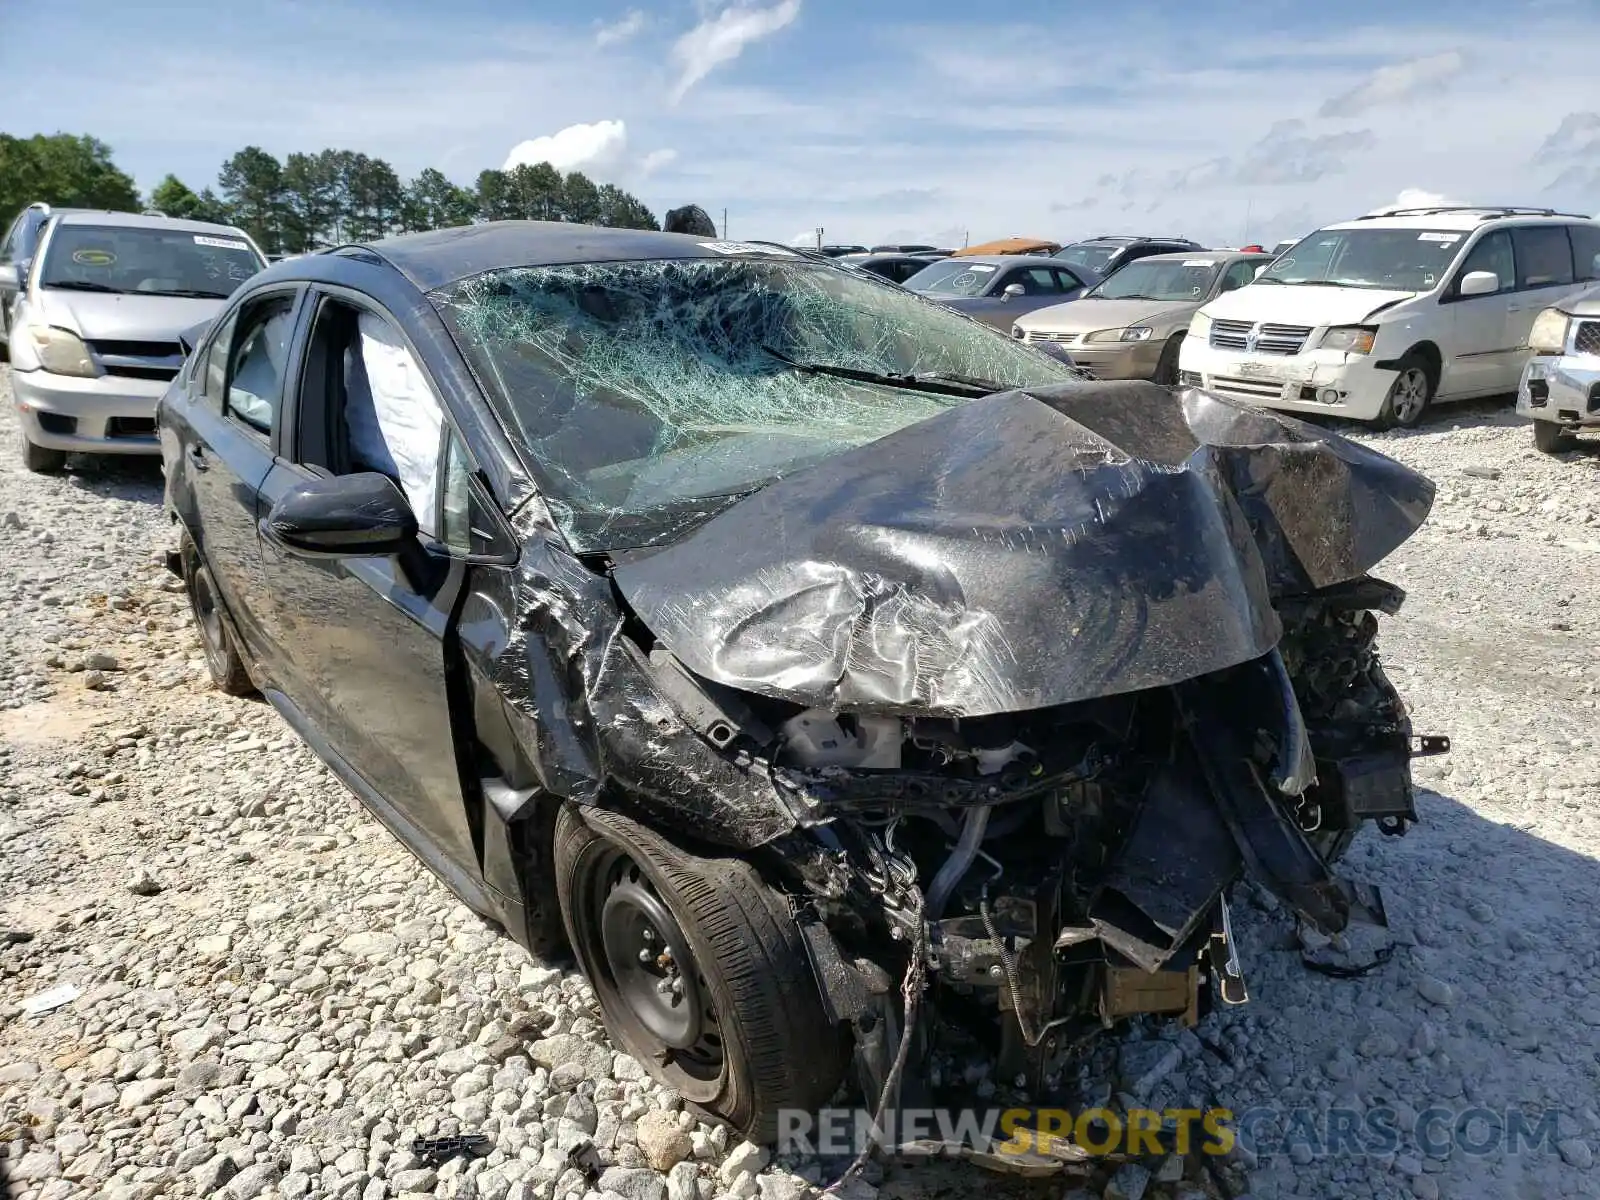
x,y
889,120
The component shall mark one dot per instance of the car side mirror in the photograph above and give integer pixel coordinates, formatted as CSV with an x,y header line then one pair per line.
x,y
190,338
1012,289
344,516
1480,283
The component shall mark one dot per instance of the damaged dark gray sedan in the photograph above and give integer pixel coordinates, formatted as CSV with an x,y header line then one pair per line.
x,y
838,678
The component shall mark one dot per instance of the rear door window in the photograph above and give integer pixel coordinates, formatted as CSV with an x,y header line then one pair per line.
x,y
1544,256
1585,250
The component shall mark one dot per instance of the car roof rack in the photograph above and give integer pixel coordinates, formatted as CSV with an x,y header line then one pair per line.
x,y
1488,211
152,212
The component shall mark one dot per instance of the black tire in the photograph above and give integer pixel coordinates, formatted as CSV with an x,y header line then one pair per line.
x,y
1167,368
1550,438
758,1039
1413,381
229,673
42,460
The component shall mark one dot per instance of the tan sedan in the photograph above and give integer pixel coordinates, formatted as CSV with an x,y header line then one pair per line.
x,y
1129,326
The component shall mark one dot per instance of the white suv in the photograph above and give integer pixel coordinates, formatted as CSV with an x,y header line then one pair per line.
x,y
1374,319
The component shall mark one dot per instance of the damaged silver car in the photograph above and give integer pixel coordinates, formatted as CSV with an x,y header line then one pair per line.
x,y
841,680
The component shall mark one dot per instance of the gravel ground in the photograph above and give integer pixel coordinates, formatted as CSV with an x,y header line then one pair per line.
x,y
275,998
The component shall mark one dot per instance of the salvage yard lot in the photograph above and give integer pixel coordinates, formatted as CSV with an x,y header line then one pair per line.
x,y
275,998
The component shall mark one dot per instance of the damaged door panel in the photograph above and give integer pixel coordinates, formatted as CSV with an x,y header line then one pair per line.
x,y
857,685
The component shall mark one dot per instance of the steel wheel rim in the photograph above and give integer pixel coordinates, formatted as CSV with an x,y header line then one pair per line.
x,y
1410,395
684,1022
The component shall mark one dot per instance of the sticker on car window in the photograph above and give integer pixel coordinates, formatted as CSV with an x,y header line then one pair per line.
x,y
220,243
89,257
747,248
982,269
1197,262
1446,238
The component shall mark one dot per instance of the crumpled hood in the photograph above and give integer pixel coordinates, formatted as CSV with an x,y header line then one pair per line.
x,y
1089,314
1025,550
129,318
1302,304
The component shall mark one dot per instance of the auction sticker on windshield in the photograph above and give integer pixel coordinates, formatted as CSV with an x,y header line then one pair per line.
x,y
220,243
1446,238
93,258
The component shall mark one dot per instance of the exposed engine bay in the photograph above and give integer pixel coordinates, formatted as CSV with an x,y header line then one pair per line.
x,y
1052,873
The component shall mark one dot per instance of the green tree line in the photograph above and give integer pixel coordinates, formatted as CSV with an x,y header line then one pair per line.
x,y
309,200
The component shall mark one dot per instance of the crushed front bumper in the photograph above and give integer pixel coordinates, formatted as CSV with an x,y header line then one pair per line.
x,y
1330,382
1564,389
109,414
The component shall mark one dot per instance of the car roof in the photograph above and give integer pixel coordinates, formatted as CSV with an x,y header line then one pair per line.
x,y
444,256
1207,255
124,220
1462,218
1125,239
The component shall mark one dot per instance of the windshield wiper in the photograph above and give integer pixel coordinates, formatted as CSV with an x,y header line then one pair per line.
x,y
942,382
84,285
197,294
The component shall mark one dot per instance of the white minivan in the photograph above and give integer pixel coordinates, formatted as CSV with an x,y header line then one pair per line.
x,y
1376,318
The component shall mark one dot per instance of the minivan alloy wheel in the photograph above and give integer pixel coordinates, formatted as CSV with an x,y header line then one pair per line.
x,y
1408,396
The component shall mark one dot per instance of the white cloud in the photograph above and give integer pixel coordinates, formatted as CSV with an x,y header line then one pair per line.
x,y
655,160
721,38
597,148
629,25
1396,82
1416,198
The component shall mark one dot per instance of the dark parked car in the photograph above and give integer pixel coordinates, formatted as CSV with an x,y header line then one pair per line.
x,y
999,288
1111,252
895,267
713,611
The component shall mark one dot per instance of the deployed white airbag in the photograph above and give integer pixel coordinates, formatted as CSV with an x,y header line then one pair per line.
x,y
393,417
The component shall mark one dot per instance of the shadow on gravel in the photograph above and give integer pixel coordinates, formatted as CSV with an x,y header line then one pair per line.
x,y
1488,1003
117,477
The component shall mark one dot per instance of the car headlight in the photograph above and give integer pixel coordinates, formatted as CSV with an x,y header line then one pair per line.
x,y
1352,339
61,352
1016,331
1549,332
1133,333
1200,326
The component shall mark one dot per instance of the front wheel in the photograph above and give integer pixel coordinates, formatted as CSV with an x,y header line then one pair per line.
x,y
1167,369
699,969
42,460
1550,438
1409,395
223,660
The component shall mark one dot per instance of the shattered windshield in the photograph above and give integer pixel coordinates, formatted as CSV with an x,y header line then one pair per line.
x,y
1396,260
652,394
